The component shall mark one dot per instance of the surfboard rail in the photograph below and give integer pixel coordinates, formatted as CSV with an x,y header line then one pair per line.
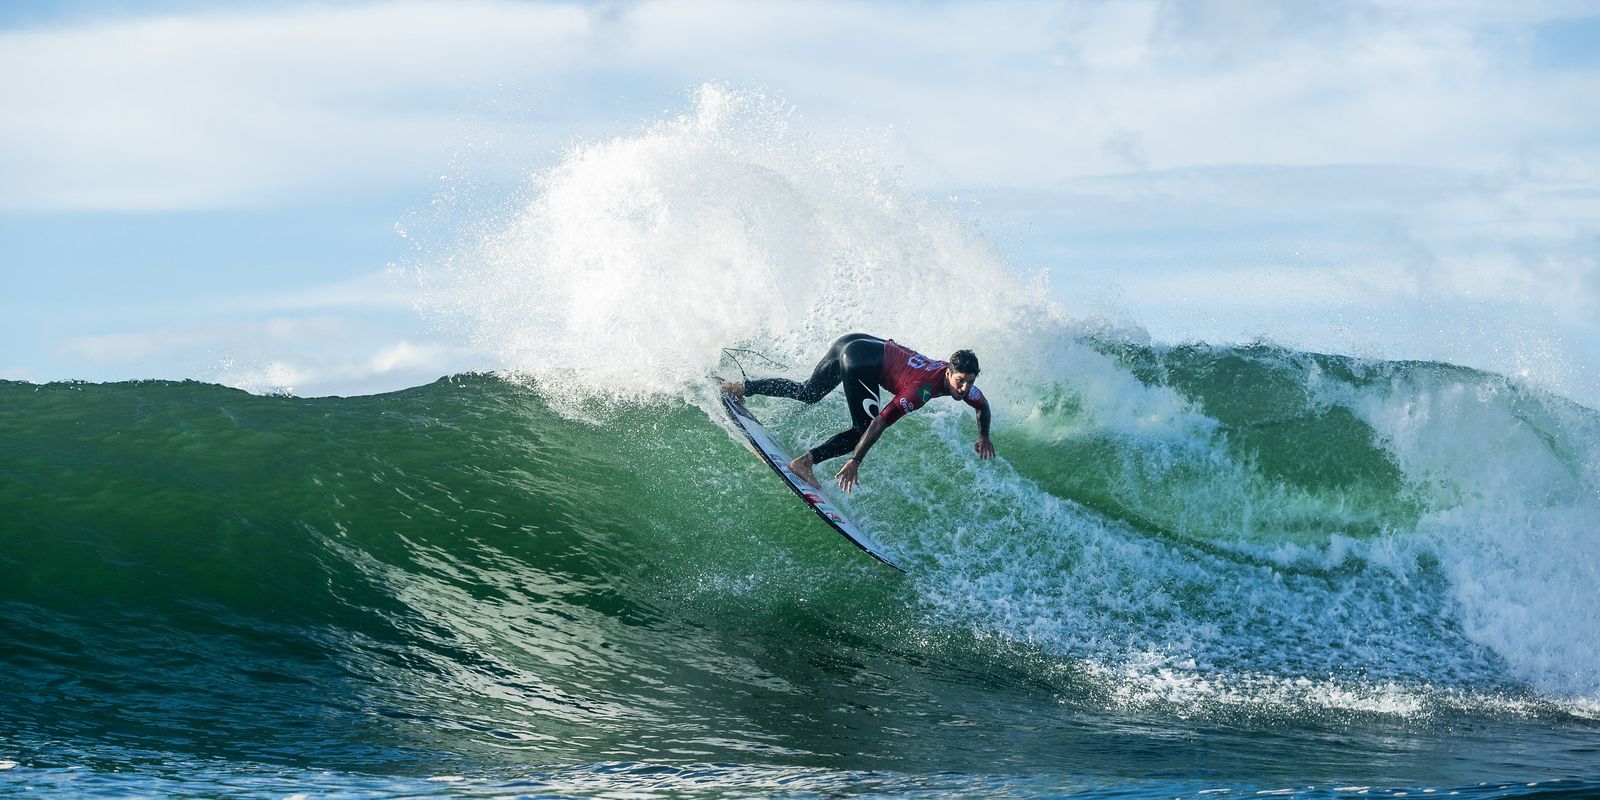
x,y
762,443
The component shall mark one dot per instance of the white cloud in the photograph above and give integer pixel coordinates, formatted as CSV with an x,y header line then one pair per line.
x,y
138,346
386,289
1497,278
389,367
238,107
229,108
17,373
313,355
1280,289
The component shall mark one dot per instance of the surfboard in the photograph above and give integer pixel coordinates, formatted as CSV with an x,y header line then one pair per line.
x,y
767,448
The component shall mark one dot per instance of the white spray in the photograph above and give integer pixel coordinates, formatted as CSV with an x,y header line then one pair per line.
x,y
636,260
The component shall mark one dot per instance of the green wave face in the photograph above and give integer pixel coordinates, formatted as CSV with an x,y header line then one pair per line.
x,y
458,573
1279,456
450,568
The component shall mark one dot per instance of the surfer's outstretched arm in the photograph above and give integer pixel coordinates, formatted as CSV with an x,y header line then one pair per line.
x,y
847,473
984,447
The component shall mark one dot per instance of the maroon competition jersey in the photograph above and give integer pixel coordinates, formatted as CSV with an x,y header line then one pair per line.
x,y
915,379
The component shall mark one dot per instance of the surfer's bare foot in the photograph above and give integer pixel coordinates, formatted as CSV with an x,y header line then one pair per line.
x,y
802,466
735,389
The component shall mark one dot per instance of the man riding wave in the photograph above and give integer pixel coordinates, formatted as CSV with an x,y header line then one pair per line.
x,y
865,364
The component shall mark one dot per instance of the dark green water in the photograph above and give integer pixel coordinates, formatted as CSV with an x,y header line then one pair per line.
x,y
1299,580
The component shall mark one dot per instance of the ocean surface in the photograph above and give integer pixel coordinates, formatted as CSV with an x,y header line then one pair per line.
x,y
1316,576
1193,571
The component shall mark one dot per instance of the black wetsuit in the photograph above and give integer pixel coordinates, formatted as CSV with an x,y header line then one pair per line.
x,y
856,360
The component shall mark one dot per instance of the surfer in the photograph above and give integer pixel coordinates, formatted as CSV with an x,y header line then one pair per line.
x,y
864,364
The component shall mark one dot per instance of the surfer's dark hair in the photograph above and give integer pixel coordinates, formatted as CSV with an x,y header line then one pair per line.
x,y
964,361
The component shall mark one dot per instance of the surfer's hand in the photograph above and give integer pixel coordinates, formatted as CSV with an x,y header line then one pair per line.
x,y
733,389
984,448
847,475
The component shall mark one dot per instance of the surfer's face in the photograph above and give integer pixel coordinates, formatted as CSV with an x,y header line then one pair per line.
x,y
961,382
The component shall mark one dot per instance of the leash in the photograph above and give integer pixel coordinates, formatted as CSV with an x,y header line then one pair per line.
x,y
729,352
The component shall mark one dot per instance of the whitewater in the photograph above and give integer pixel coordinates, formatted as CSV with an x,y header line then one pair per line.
x,y
1195,570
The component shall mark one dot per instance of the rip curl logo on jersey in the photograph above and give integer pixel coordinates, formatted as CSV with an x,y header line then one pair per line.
x,y
870,402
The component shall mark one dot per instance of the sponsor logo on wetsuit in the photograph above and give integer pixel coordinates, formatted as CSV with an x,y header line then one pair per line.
x,y
870,402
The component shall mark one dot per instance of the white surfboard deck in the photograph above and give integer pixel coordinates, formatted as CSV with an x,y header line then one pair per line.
x,y
763,445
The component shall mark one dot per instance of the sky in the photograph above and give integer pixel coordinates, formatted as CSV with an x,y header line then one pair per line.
x,y
218,190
